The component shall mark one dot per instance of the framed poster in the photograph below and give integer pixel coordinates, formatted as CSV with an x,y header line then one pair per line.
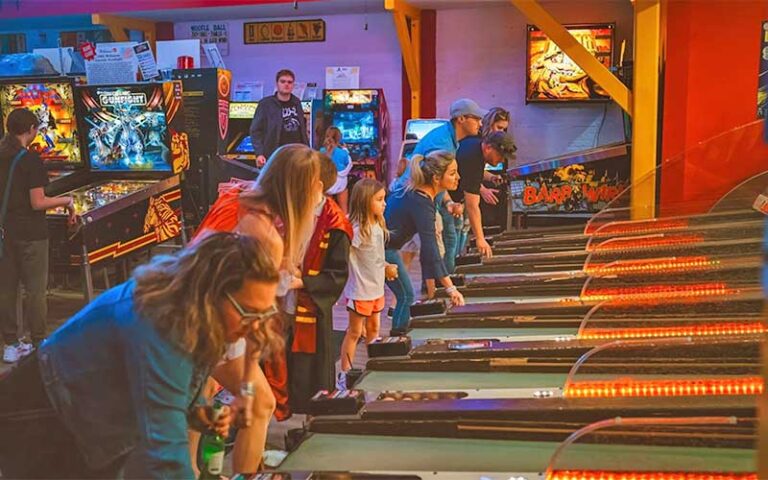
x,y
551,76
288,31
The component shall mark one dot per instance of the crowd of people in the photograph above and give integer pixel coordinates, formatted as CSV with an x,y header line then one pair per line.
x,y
124,386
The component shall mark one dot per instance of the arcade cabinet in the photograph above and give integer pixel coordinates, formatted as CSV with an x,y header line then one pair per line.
x,y
415,130
206,120
363,119
239,145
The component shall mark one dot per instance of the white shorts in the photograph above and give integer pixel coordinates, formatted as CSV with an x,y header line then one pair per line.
x,y
234,350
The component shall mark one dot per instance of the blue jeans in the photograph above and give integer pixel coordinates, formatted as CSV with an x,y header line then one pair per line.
x,y
450,236
462,230
402,289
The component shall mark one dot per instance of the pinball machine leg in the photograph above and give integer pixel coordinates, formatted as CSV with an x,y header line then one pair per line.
x,y
87,276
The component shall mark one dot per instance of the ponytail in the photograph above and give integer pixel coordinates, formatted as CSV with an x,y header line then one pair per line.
x,y
425,169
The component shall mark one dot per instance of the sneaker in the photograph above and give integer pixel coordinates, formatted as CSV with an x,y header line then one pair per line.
x,y
11,354
341,381
24,348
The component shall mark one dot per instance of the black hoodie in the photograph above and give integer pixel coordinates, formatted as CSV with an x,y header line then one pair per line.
x,y
267,125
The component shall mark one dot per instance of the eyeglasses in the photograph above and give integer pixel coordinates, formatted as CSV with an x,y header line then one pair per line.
x,y
248,318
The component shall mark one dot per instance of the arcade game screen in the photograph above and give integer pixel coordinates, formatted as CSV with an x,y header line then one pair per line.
x,y
125,127
553,76
421,127
52,103
356,127
240,116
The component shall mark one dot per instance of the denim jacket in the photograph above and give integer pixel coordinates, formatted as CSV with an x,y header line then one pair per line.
x,y
121,387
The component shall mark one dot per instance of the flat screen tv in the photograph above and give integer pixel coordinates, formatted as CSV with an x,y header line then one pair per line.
x,y
356,127
553,77
52,102
125,127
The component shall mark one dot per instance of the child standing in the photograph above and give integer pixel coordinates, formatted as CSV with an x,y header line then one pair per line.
x,y
340,156
367,269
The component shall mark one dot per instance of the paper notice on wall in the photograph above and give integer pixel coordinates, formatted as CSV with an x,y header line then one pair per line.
x,y
212,33
248,92
213,55
342,77
114,63
146,59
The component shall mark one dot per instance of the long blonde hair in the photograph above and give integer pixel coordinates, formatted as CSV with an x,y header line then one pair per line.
x,y
180,294
425,169
285,185
360,207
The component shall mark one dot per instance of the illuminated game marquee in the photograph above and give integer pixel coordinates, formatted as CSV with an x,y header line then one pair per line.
x,y
553,76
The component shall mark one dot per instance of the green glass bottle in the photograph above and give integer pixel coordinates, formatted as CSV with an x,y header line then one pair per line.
x,y
212,447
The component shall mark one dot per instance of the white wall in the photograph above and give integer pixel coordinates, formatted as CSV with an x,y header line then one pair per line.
x,y
375,51
481,55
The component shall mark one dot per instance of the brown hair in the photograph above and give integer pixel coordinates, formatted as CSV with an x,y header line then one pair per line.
x,y
180,294
284,186
360,206
328,171
19,122
284,73
496,114
332,139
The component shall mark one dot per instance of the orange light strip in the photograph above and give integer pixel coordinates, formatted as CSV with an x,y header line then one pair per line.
x,y
700,330
616,475
636,227
628,244
656,265
651,292
665,388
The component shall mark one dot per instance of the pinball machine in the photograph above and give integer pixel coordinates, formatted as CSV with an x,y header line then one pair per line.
x,y
57,142
128,199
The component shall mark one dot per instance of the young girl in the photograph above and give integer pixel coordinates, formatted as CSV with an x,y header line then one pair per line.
x,y
340,156
367,269
413,212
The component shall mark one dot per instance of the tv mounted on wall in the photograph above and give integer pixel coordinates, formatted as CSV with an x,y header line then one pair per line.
x,y
553,77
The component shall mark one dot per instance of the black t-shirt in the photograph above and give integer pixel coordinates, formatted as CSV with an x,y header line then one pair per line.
x,y
291,130
471,167
21,222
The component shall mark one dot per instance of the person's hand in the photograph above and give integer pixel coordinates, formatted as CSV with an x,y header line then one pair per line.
x,y
71,213
484,248
489,195
261,160
390,271
203,417
296,283
456,209
457,299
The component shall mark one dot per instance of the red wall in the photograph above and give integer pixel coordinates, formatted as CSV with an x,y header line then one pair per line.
x,y
710,87
38,8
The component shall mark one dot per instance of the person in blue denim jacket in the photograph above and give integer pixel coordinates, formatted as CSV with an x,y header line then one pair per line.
x,y
121,379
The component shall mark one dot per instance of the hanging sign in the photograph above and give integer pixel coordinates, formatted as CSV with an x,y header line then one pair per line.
x,y
291,31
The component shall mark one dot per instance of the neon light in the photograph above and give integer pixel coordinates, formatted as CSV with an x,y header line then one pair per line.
x,y
628,387
635,227
628,244
616,475
652,292
700,330
656,265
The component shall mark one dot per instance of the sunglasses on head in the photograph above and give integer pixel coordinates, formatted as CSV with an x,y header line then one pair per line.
x,y
248,318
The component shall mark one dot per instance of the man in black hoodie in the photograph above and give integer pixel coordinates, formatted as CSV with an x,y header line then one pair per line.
x,y
279,119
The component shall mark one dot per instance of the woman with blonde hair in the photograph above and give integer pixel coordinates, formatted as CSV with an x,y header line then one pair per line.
x,y
278,208
122,377
340,156
412,213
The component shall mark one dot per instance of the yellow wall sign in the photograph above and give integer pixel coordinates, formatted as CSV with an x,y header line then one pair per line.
x,y
290,31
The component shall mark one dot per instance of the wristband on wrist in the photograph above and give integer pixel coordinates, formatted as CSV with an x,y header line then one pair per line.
x,y
247,389
450,290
